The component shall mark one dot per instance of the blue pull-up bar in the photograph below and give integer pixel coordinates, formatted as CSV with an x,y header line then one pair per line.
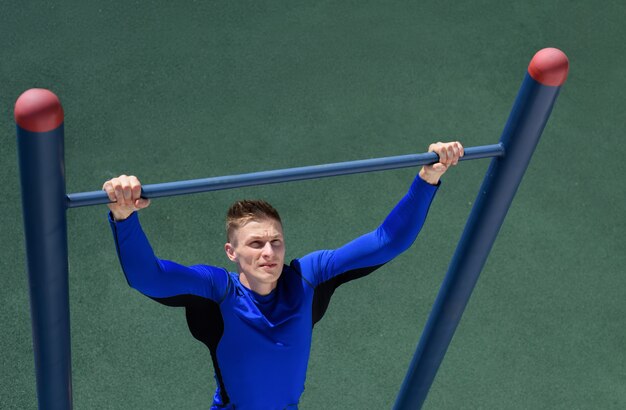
x,y
283,175
39,118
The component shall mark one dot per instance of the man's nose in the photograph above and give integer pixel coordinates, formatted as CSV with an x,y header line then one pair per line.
x,y
267,249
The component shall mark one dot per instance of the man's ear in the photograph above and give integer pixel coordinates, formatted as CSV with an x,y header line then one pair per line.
x,y
230,252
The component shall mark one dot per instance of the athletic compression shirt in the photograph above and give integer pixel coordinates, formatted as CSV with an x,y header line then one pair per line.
x,y
260,345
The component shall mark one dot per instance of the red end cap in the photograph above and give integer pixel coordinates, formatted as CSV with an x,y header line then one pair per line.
x,y
38,110
549,67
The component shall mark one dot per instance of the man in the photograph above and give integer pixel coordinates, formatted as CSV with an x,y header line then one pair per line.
x,y
257,321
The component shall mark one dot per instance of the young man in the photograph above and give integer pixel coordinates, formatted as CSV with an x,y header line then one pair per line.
x,y
257,321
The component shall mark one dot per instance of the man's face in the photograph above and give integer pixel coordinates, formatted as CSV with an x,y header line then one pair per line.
x,y
258,249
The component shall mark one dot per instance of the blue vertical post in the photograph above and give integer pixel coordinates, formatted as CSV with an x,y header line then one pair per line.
x,y
39,119
546,73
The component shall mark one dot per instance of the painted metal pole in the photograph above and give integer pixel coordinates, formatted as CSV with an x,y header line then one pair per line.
x,y
546,73
39,119
283,175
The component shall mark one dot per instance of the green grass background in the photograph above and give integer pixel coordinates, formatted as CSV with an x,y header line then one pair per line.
x,y
178,90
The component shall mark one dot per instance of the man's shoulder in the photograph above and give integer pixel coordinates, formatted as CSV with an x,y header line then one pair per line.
x,y
307,267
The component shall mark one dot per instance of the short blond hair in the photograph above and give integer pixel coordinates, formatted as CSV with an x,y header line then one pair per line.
x,y
246,210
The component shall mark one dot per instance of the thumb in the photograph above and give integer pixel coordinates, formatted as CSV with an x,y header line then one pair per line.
x,y
439,167
142,203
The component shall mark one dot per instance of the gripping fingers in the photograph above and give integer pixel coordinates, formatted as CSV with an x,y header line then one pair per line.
x,y
458,151
135,187
123,190
451,155
108,188
127,192
439,166
439,149
121,185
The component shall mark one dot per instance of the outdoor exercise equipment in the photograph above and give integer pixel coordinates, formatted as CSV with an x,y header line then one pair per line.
x,y
39,118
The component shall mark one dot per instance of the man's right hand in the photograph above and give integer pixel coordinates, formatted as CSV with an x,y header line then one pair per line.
x,y
125,195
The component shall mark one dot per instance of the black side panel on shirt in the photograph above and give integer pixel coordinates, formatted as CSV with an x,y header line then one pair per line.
x,y
206,324
324,291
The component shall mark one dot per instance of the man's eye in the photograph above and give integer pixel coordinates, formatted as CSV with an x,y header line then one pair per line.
x,y
255,244
276,242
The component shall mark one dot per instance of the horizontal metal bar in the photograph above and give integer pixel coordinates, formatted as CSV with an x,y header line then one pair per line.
x,y
283,175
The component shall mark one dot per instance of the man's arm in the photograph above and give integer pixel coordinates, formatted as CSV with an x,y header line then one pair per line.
x,y
144,271
397,232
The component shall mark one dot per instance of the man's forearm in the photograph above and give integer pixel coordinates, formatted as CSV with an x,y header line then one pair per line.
x,y
135,254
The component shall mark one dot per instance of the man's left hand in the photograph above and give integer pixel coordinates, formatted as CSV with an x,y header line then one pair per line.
x,y
449,154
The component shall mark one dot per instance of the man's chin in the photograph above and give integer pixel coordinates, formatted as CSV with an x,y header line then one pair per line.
x,y
271,274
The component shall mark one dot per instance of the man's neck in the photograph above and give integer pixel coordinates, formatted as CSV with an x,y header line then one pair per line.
x,y
259,288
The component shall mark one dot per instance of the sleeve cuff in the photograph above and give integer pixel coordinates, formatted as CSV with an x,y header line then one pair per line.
x,y
421,184
132,217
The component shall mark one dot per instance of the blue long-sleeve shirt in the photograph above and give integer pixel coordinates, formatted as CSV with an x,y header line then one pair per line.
x,y
260,344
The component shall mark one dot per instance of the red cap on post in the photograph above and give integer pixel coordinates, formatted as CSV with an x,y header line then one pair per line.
x,y
549,67
38,110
